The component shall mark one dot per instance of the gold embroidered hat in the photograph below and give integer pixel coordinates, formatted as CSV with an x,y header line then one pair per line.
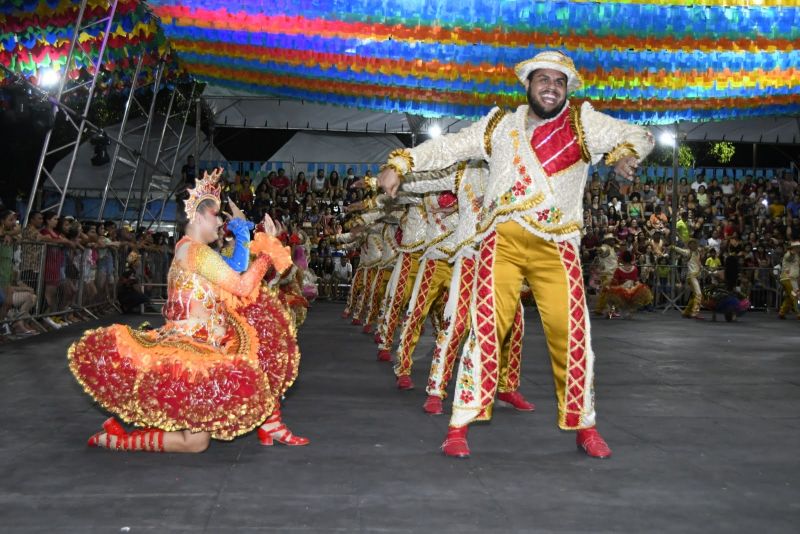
x,y
550,59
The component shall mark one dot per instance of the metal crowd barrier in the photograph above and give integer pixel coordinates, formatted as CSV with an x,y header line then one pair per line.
x,y
670,291
47,286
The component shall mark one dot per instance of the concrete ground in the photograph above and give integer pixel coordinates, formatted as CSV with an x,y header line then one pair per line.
x,y
702,417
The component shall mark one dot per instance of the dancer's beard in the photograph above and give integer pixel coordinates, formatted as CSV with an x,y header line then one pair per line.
x,y
540,111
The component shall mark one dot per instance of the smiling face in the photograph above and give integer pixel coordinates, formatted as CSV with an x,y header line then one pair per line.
x,y
547,92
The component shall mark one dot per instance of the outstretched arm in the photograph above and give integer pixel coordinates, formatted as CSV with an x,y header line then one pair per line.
x,y
213,268
472,142
625,145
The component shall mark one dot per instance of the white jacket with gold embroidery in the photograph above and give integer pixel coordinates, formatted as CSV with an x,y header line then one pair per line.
x,y
440,229
537,182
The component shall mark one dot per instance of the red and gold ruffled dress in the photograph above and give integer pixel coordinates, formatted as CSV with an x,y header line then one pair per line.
x,y
274,323
626,292
202,370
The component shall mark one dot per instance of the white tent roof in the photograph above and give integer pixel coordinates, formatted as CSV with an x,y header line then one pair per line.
x,y
87,176
241,109
330,147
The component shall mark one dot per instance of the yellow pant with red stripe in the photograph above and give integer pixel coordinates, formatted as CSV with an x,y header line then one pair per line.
x,y
362,299
455,328
507,256
356,287
400,286
432,282
376,294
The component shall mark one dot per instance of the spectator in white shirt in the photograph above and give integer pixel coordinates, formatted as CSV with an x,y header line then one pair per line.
x,y
699,180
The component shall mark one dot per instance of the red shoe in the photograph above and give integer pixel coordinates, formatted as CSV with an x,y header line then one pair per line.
x,y
455,444
345,314
404,383
515,399
592,443
274,430
367,329
378,339
356,322
433,405
282,435
384,356
111,427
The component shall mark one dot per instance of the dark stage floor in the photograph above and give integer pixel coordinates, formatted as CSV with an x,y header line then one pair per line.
x,y
703,419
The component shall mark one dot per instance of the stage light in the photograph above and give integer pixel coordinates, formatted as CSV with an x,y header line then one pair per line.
x,y
666,139
435,131
48,78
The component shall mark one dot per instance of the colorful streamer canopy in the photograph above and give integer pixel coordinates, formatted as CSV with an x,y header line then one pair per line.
x,y
652,62
35,36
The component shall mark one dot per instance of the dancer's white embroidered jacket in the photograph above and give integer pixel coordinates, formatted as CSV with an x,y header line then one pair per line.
x,y
469,187
537,181
440,229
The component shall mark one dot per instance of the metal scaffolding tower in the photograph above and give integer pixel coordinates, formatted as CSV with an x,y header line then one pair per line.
x,y
78,121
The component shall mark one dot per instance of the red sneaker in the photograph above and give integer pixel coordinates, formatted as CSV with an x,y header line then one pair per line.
x,y
592,443
404,383
515,399
455,444
356,322
384,356
433,405
367,329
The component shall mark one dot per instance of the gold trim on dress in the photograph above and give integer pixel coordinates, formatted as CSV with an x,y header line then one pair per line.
x,y
622,150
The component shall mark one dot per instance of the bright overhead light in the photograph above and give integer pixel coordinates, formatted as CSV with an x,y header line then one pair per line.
x,y
48,78
666,139
435,130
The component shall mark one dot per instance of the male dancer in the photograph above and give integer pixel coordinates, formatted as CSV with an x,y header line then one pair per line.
x,y
530,224
469,190
433,279
790,276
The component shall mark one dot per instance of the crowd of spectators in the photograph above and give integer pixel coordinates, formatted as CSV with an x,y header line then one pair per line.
x,y
59,266
743,224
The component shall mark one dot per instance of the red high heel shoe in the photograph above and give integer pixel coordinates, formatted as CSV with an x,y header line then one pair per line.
x,y
146,440
367,329
276,431
384,356
111,427
455,444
